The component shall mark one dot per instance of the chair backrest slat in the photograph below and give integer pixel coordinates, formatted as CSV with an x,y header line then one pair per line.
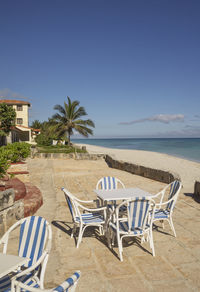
x,y
33,234
109,183
138,211
71,202
174,191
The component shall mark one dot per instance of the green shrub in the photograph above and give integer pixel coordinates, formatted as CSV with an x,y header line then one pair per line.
x,y
4,164
43,140
13,153
18,151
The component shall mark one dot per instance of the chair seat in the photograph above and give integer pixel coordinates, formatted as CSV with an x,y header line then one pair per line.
x,y
91,218
123,228
161,214
5,282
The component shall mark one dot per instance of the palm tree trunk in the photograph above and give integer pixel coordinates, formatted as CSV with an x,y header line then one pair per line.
x,y
69,139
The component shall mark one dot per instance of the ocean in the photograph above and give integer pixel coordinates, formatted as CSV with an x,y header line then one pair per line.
x,y
187,148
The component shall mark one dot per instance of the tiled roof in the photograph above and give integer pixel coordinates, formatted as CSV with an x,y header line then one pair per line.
x,y
13,101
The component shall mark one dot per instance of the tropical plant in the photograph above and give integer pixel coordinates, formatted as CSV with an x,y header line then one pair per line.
x,y
15,152
36,124
69,119
12,153
7,119
4,164
47,134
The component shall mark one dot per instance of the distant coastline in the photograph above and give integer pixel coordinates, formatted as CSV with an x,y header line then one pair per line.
x,y
186,148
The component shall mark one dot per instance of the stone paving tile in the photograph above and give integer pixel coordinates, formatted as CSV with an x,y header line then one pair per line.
x,y
129,284
171,286
156,268
191,272
175,266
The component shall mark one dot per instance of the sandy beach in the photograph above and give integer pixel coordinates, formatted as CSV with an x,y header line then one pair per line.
x,y
189,171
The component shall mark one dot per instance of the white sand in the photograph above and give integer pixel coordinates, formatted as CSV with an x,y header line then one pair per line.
x,y
189,171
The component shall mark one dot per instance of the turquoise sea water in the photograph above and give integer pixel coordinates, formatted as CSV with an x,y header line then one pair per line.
x,y
188,148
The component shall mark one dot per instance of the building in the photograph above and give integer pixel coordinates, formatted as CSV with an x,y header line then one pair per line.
x,y
21,131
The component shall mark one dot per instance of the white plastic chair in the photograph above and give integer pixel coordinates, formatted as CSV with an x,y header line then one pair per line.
x,y
69,285
164,209
84,217
35,236
109,183
136,222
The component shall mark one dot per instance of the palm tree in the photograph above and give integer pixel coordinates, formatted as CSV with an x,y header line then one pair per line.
x,y
36,124
68,119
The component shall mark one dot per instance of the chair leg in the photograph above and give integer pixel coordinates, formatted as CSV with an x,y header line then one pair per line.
x,y
113,234
163,225
101,230
73,230
120,248
150,235
108,237
81,230
172,226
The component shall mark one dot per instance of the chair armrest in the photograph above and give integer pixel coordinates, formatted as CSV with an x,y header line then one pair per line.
x,y
4,241
162,204
82,201
92,209
158,194
30,269
64,286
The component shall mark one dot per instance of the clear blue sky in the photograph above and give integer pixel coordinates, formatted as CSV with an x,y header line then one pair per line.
x,y
134,65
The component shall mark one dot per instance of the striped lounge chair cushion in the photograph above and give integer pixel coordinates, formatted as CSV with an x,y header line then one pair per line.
x,y
161,214
91,218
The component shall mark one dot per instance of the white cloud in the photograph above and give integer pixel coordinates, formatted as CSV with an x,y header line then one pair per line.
x,y
8,93
158,118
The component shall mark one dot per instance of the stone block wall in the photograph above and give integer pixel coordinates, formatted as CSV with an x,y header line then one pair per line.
x,y
77,156
197,191
155,174
10,211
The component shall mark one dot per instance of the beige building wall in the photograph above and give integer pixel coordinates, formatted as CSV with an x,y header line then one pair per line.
x,y
21,114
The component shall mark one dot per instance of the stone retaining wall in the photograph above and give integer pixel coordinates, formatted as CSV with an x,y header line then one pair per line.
x,y
197,191
77,156
155,174
10,211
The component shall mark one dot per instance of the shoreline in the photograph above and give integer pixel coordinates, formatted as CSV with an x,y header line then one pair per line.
x,y
191,150
188,170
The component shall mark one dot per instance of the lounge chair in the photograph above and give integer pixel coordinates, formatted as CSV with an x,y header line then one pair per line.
x,y
84,217
35,237
69,285
136,222
164,209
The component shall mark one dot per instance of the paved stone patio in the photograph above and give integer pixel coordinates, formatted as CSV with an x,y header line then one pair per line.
x,y
176,266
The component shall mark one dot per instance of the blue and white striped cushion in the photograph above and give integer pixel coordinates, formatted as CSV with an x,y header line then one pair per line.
x,y
32,238
138,211
5,283
69,205
173,190
161,214
123,228
108,183
64,287
91,218
68,283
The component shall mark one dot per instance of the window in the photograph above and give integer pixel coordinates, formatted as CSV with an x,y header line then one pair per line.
x,y
19,121
19,107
